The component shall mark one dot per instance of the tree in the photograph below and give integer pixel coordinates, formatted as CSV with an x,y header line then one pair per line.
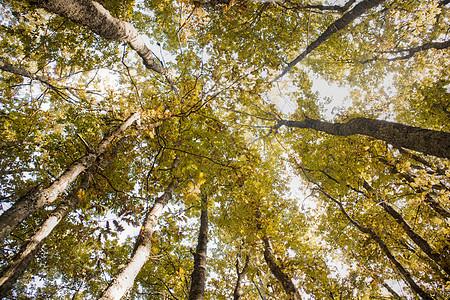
x,y
142,248
285,281
398,135
211,82
38,196
198,276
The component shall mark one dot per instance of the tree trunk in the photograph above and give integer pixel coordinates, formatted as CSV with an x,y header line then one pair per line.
x,y
142,248
95,17
279,274
388,287
437,206
198,276
357,11
427,141
240,275
38,196
405,274
418,240
22,259
338,8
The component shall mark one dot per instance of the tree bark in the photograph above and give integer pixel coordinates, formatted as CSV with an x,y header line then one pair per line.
x,y
95,17
405,274
411,51
7,67
142,248
198,276
418,240
240,275
357,11
427,141
37,197
22,259
279,274
341,9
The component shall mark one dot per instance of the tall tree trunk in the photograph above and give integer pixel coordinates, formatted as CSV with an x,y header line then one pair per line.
x,y
427,141
124,280
405,274
278,272
357,11
38,196
240,276
418,240
198,276
423,161
23,258
95,17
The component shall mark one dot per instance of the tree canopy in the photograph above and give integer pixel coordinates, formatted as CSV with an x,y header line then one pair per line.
x,y
182,149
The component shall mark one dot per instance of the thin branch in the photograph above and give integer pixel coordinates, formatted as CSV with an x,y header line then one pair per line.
x,y
202,156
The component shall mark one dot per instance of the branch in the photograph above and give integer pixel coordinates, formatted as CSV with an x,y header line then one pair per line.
x,y
341,9
399,135
240,274
25,73
99,20
337,25
410,51
201,156
198,276
406,275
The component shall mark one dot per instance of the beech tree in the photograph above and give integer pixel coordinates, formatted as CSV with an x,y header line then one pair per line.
x,y
119,120
198,276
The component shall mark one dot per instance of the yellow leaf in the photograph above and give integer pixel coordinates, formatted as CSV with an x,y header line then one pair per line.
x,y
80,193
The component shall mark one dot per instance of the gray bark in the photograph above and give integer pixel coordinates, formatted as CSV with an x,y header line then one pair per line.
x,y
38,196
124,280
7,67
427,141
95,17
198,276
412,51
22,259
